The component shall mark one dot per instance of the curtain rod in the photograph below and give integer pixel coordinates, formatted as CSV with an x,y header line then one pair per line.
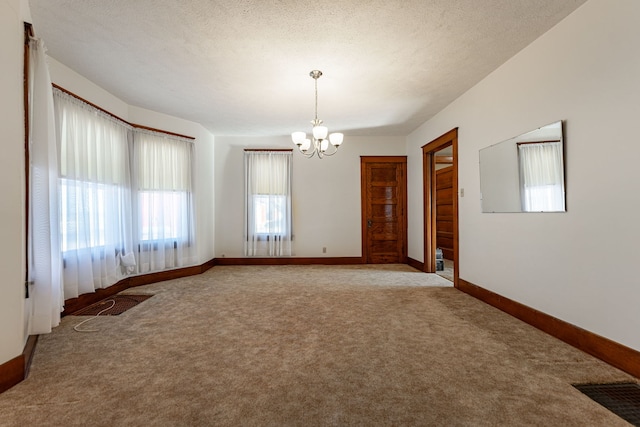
x,y
28,34
68,92
268,149
537,142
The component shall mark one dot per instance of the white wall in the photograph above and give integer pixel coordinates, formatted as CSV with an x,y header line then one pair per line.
x,y
12,259
326,194
76,83
204,211
579,266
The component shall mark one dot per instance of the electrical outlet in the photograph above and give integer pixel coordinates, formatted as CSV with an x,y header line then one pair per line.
x,y
324,250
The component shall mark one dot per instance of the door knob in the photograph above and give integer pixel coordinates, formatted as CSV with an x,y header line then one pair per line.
x,y
369,223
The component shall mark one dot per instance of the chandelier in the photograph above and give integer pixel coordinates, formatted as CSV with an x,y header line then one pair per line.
x,y
319,143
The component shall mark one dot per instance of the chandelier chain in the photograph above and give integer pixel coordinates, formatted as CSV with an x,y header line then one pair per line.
x,y
316,82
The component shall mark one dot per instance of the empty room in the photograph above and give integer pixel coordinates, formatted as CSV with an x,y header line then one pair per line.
x,y
319,213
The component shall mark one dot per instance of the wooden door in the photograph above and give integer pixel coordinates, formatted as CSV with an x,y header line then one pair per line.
x,y
384,207
444,211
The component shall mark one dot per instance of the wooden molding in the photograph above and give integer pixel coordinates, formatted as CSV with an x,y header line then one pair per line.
x,y
68,92
290,261
28,34
537,142
615,354
28,352
269,149
415,264
74,304
15,370
207,265
444,160
429,151
12,372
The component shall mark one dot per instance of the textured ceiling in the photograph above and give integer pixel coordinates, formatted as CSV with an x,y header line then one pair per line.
x,y
241,67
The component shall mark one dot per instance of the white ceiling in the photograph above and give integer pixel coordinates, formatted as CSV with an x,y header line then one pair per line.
x,y
241,67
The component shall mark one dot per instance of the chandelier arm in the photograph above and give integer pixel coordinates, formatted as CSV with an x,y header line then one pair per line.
x,y
307,155
326,153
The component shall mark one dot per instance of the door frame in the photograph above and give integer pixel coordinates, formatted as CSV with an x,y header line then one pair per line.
x,y
429,186
363,203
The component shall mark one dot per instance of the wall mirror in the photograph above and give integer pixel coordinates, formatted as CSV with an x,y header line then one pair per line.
x,y
525,173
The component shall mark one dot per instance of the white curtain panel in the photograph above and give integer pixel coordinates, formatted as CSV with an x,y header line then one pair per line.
x,y
95,195
44,261
164,201
542,177
268,203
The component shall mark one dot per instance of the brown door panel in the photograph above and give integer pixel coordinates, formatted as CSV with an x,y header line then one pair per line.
x,y
384,209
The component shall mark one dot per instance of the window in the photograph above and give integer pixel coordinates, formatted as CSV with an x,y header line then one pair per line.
x,y
269,214
82,208
160,213
268,203
164,188
125,197
164,219
541,176
95,195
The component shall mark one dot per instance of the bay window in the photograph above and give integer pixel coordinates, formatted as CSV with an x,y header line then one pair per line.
x,y
125,199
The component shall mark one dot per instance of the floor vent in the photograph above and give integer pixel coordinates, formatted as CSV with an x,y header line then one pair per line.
x,y
112,306
622,399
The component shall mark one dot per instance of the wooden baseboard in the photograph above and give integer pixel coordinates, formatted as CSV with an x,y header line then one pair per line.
x,y
11,372
74,304
615,354
28,352
290,261
415,264
15,370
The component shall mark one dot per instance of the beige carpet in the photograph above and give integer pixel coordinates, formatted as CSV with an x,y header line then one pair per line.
x,y
307,346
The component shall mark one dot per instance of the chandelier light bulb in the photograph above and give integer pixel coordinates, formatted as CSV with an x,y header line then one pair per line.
x,y
320,132
336,138
298,137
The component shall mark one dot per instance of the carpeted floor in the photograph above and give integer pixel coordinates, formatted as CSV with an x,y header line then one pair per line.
x,y
307,346
112,306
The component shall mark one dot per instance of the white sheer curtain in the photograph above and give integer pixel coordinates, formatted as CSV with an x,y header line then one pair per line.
x,y
44,262
268,203
541,176
95,195
164,201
